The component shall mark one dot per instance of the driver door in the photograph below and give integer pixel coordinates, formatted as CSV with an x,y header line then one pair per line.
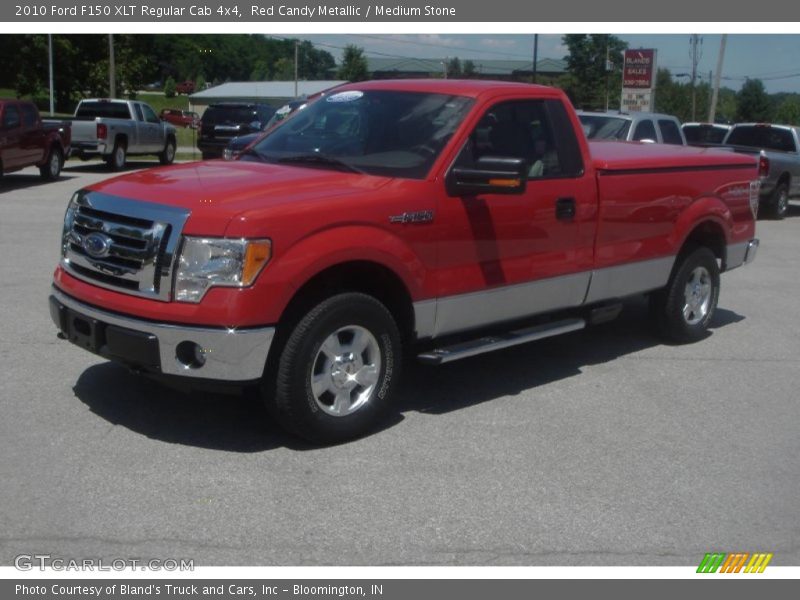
x,y
504,257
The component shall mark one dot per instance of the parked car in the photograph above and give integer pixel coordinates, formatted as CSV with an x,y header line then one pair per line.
x,y
705,134
239,143
778,149
180,118
185,87
636,126
116,129
26,140
224,121
432,218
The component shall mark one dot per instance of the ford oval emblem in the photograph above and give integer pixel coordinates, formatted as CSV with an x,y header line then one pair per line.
x,y
97,245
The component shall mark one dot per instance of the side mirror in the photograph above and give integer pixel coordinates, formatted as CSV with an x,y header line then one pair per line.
x,y
491,175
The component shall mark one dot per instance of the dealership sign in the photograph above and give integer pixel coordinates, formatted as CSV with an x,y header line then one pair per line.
x,y
638,80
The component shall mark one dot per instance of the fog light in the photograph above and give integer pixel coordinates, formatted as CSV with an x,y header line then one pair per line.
x,y
190,355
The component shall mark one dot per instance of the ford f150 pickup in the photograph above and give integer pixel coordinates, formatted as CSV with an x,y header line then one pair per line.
x,y
438,219
26,140
116,129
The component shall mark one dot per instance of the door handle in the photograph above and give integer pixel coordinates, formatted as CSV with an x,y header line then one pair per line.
x,y
565,209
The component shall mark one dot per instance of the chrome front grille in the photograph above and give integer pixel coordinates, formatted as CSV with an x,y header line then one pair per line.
x,y
120,244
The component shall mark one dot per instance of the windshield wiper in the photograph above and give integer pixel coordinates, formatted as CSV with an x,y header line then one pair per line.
x,y
320,159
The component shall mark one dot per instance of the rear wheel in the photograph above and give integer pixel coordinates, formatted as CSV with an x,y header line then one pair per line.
x,y
119,156
51,169
779,205
167,156
683,310
338,369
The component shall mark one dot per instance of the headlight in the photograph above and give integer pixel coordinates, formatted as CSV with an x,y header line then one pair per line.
x,y
206,262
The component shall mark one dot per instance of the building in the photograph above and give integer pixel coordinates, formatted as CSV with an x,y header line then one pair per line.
x,y
398,68
276,93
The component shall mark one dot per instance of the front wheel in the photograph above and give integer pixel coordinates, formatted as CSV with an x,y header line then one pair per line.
x,y
338,369
683,310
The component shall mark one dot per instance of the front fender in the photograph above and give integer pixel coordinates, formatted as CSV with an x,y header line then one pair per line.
x,y
313,254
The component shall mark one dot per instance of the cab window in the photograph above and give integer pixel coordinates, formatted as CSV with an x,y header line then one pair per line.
x,y
538,131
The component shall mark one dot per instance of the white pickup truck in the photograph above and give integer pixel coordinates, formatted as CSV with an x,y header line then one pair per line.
x,y
116,129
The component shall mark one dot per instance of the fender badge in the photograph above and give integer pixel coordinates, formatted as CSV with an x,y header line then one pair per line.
x,y
420,216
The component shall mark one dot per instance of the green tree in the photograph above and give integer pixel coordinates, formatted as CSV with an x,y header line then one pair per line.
x,y
169,87
454,67
283,69
789,111
199,82
586,65
354,64
469,69
753,103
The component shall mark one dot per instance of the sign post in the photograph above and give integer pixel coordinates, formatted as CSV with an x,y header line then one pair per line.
x,y
638,80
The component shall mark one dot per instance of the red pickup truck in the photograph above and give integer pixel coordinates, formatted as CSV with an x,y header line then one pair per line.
x,y
438,219
26,141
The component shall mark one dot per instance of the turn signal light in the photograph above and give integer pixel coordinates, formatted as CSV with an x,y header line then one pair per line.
x,y
256,256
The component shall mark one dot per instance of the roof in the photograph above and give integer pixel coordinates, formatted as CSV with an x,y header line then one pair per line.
x,y
458,87
482,66
238,90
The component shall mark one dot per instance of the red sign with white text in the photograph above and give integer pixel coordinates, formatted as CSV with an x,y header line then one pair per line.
x,y
638,69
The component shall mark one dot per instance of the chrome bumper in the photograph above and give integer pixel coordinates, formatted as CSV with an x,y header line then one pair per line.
x,y
229,354
741,254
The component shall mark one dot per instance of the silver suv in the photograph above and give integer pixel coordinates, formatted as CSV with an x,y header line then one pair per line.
x,y
638,126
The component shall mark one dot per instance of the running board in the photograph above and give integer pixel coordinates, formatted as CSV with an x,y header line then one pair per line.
x,y
496,342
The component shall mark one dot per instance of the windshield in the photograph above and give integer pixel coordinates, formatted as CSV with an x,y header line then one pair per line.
x,y
390,133
605,128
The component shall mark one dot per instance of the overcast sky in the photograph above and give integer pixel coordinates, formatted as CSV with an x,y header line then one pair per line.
x,y
773,58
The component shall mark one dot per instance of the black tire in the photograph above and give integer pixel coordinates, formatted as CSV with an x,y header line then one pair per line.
x,y
167,155
683,310
208,155
340,322
51,169
779,202
119,156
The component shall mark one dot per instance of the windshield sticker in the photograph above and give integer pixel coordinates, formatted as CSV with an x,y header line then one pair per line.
x,y
346,96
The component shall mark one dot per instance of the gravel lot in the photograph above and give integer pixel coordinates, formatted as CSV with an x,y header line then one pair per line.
x,y
603,447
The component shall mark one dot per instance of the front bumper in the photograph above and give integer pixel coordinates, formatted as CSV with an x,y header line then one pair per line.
x,y
234,355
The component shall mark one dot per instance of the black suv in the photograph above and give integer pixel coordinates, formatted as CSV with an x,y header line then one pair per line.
x,y
222,122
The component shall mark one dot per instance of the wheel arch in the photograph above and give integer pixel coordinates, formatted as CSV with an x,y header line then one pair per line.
x,y
366,276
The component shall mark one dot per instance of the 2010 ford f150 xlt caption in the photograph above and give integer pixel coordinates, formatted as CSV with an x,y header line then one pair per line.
x,y
443,218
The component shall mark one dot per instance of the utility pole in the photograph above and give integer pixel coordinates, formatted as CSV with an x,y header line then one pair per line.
x,y
535,55
112,75
296,55
694,41
50,66
712,113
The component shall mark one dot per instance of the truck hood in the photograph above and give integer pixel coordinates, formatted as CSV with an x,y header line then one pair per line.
x,y
217,191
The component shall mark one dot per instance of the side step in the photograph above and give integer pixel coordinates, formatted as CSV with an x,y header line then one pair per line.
x,y
496,342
